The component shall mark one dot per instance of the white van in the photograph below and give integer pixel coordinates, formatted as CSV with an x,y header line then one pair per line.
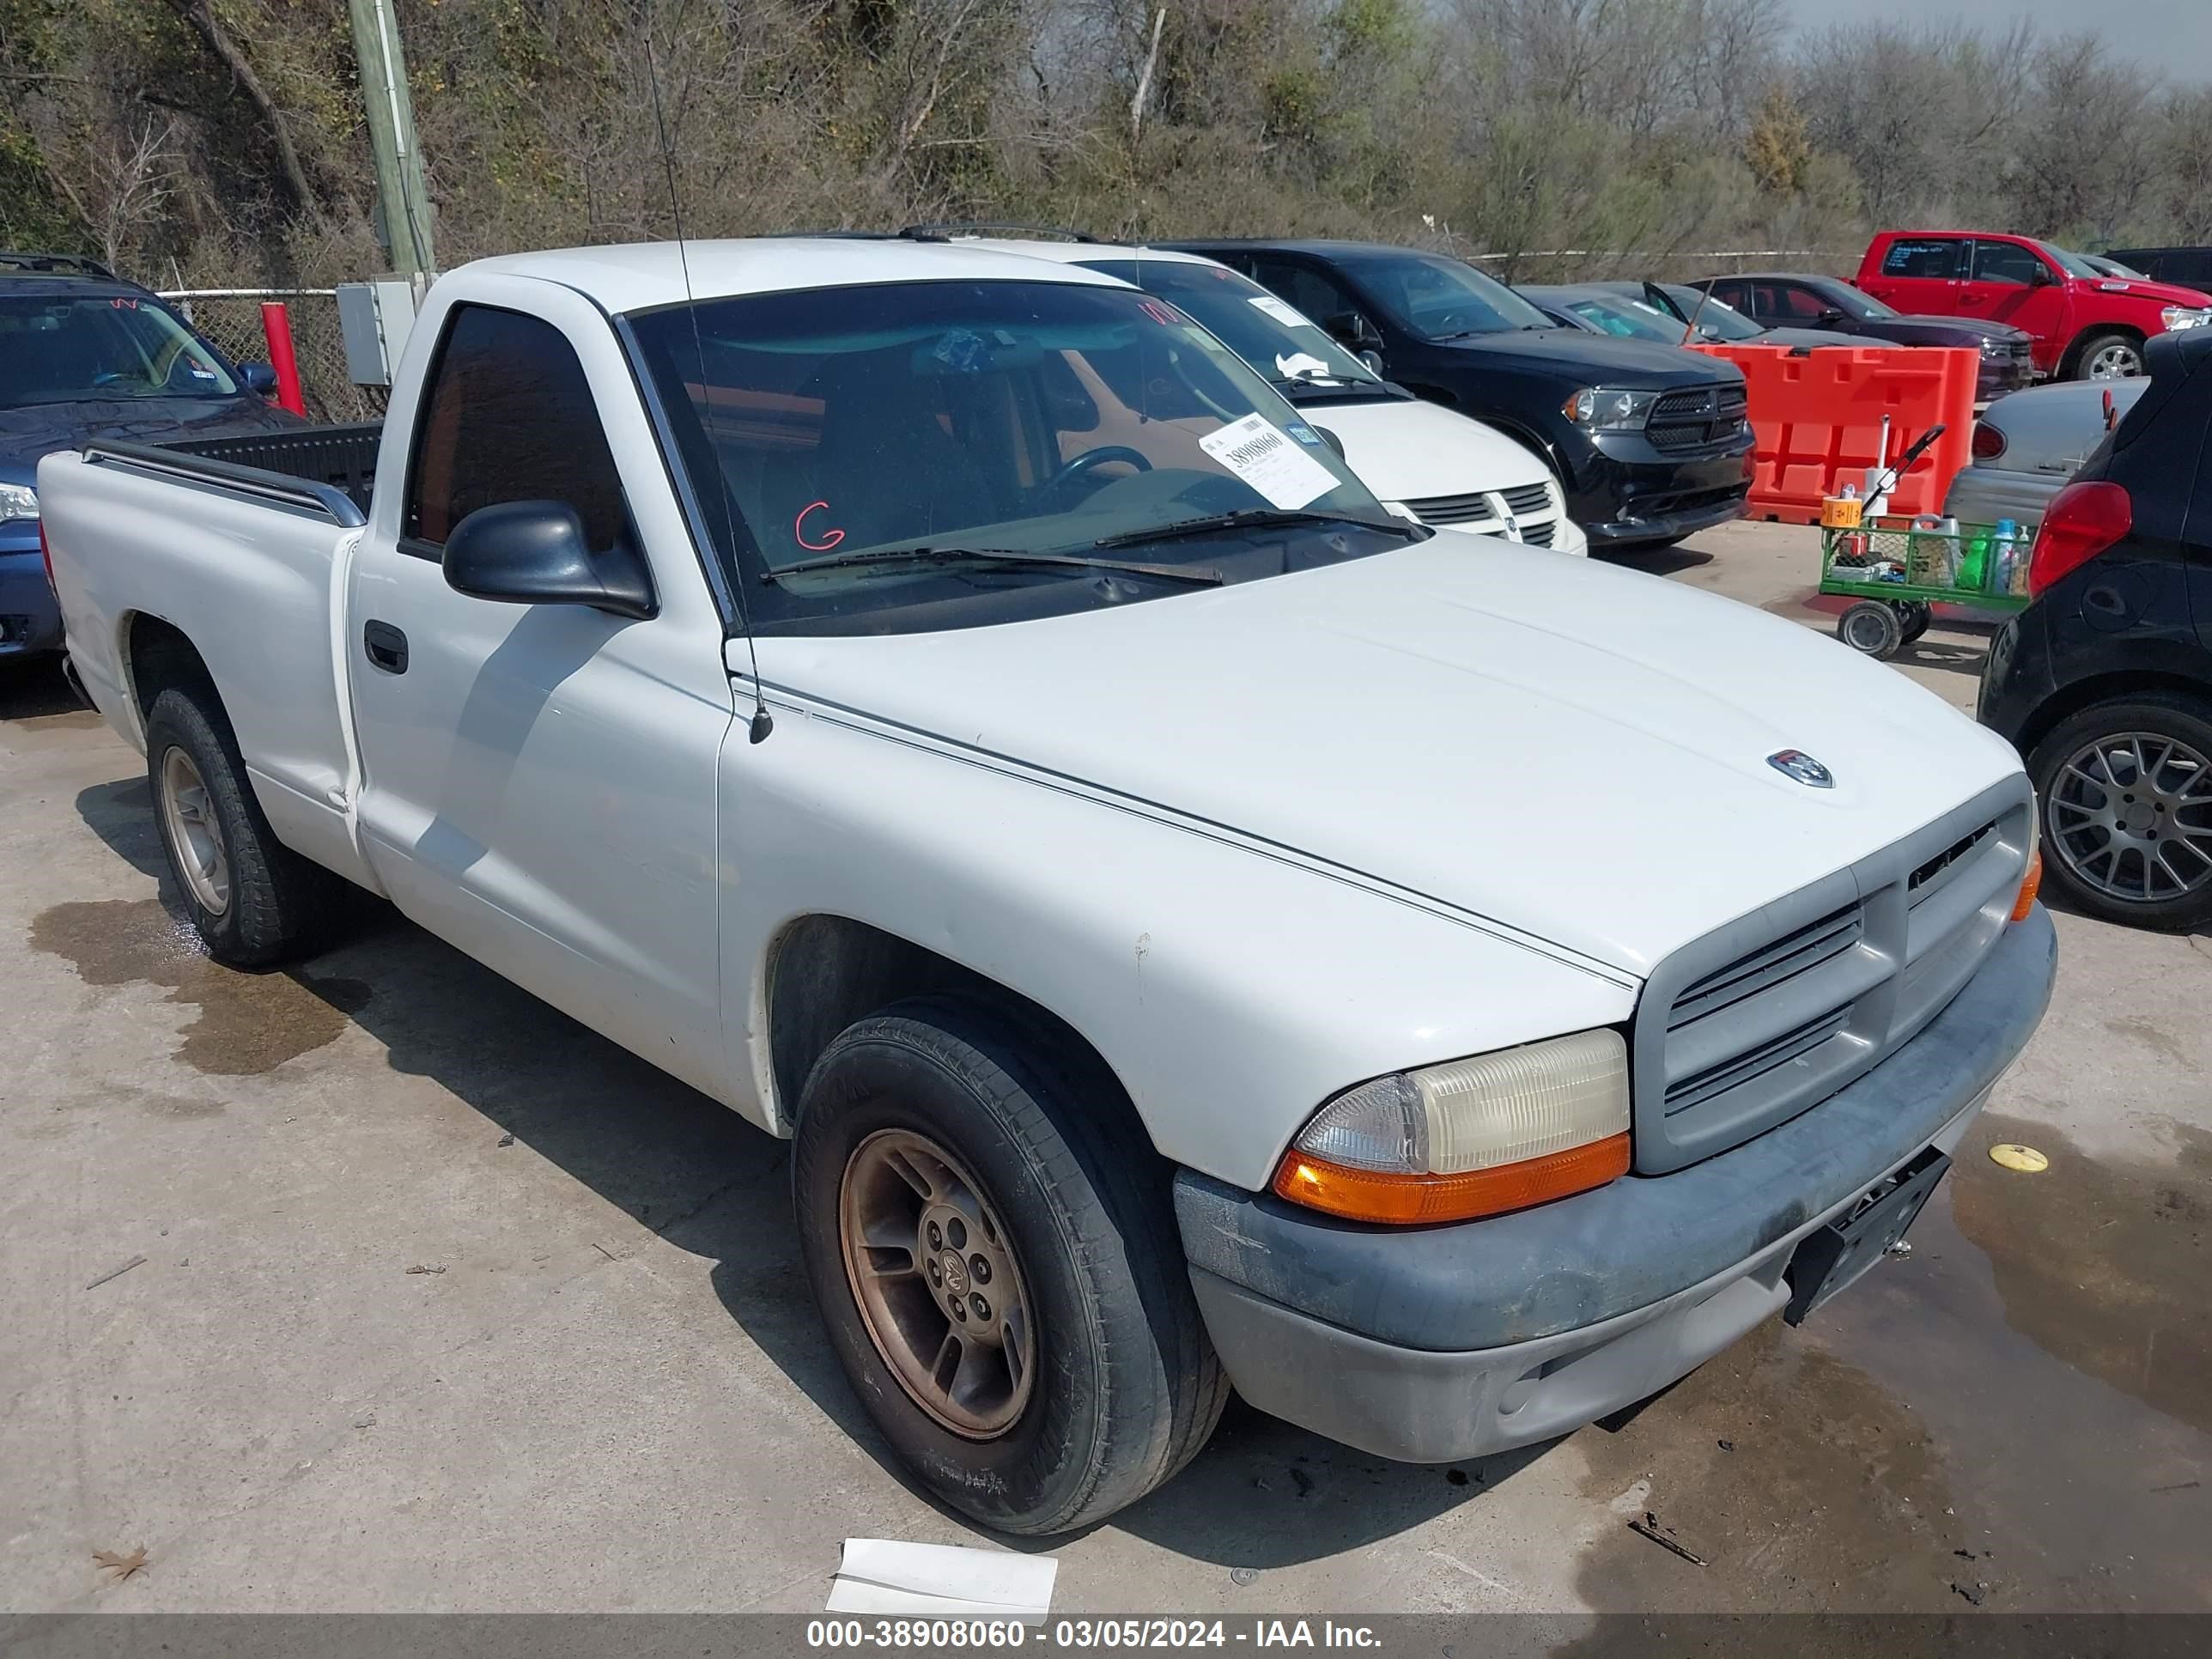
x,y
1437,466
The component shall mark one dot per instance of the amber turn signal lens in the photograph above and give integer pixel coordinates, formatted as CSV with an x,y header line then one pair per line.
x,y
1402,1199
2028,885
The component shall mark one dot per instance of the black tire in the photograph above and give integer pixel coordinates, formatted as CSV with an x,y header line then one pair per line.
x,y
1918,614
2182,719
2088,349
1871,627
1128,1388
279,905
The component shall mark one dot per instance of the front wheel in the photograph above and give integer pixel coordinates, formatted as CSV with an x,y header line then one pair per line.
x,y
2109,356
992,1245
2126,794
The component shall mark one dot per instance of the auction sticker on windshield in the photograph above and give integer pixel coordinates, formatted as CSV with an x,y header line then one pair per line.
x,y
1256,450
1282,314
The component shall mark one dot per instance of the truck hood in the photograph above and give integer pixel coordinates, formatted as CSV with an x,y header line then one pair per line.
x,y
2165,294
1577,751
37,429
1926,331
1409,450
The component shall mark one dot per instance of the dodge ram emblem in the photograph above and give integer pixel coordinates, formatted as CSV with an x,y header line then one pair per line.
x,y
1796,763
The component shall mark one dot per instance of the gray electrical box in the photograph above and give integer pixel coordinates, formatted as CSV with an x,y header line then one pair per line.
x,y
374,317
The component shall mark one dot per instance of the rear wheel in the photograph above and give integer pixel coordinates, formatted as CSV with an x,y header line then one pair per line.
x,y
2126,794
1916,616
253,900
991,1242
2108,357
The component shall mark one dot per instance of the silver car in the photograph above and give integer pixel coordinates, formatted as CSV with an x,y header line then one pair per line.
x,y
2026,445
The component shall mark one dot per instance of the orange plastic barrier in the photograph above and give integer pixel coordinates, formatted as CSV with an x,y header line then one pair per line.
x,y
1816,421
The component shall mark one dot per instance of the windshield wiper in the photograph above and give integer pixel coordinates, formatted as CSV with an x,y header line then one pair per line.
x,y
1268,518
1001,557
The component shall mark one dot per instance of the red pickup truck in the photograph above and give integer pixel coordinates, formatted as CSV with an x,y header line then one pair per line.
x,y
2086,325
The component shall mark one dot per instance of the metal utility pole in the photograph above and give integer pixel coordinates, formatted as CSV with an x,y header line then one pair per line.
x,y
401,194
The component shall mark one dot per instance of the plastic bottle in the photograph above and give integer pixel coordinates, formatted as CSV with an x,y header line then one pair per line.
x,y
2008,555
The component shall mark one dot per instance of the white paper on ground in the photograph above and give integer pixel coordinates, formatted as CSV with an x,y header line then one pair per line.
x,y
941,1581
1258,452
1281,312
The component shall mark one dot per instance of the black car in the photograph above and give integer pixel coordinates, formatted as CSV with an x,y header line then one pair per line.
x,y
85,355
2187,267
2104,681
1779,298
1664,313
1650,441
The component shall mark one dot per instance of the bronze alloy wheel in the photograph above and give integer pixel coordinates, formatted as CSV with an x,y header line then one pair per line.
x,y
934,1277
195,832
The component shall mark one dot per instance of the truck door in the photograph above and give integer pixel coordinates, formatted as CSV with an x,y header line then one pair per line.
x,y
1921,273
539,781
2007,282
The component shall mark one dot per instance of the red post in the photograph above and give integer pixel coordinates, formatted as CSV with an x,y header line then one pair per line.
x,y
277,323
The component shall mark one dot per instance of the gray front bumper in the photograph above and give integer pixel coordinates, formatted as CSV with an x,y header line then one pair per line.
x,y
1455,1341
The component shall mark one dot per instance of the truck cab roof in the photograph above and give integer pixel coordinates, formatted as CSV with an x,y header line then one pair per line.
x,y
644,276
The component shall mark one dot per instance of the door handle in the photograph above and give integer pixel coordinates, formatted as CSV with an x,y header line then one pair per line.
x,y
386,645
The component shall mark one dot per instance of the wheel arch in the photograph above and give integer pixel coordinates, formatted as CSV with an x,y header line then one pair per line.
x,y
2070,700
2069,362
825,971
157,654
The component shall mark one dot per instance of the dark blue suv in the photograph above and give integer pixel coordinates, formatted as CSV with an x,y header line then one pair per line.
x,y
85,355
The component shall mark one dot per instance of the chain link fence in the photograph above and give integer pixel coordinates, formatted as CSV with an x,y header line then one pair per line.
x,y
231,317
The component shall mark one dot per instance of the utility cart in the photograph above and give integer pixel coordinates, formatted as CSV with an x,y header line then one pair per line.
x,y
1896,569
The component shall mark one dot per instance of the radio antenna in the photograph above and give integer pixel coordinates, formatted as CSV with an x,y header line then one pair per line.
x,y
762,722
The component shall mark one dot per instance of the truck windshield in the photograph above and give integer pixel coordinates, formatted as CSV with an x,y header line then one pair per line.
x,y
1439,298
993,417
1269,333
72,350
2072,263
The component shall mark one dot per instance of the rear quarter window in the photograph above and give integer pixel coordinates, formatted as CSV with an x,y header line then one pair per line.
x,y
1921,256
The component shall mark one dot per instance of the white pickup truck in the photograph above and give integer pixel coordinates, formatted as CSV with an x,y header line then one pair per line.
x,y
1197,928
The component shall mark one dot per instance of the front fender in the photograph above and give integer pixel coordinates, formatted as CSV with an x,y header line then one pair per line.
x,y
1231,989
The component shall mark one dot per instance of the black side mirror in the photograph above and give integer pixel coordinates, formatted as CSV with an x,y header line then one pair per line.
x,y
1833,314
258,378
2038,276
534,553
1354,331
1337,443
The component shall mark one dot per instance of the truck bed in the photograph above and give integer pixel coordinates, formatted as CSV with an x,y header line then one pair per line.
x,y
240,543
338,464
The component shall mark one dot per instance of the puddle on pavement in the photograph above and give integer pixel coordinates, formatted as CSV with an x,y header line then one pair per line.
x,y
1833,1494
247,1023
2102,1265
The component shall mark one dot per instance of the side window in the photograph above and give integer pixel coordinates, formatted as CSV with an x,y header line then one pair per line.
x,y
509,417
1307,290
1800,304
1922,256
1734,294
2005,262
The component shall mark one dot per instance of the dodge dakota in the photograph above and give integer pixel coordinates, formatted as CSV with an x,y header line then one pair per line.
x,y
1197,928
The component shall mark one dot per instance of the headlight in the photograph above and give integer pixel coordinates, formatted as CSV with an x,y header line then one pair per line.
x,y
1601,408
1475,1137
1996,348
2185,317
18,501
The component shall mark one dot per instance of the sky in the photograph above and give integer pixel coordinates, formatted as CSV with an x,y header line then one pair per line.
x,y
2172,36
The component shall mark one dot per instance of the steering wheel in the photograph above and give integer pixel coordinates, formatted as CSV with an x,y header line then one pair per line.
x,y
1083,465
1456,320
108,377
